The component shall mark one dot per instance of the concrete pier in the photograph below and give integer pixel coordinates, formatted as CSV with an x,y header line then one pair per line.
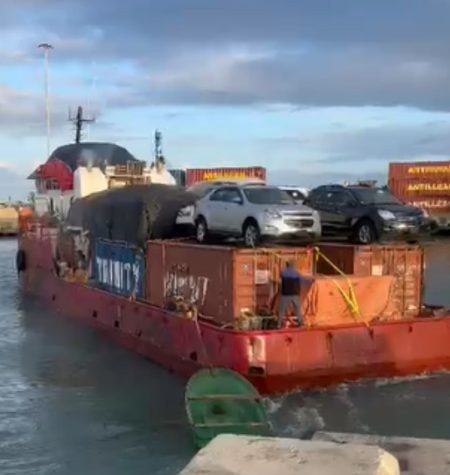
x,y
239,455
415,456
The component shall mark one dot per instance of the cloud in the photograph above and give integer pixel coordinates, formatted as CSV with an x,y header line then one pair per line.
x,y
327,78
309,52
298,177
274,57
387,143
13,184
23,113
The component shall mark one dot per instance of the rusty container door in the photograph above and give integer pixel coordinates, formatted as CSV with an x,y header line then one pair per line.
x,y
341,255
196,175
404,262
257,275
197,274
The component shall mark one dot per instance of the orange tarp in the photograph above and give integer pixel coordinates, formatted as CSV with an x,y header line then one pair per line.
x,y
328,300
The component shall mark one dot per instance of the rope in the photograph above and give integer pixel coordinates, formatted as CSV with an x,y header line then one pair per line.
x,y
202,343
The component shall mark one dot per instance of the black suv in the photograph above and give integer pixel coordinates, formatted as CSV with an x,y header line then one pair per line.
x,y
365,214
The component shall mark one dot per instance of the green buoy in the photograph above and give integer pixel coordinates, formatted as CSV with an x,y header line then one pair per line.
x,y
220,401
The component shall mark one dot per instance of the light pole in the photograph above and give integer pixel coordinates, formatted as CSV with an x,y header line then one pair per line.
x,y
47,47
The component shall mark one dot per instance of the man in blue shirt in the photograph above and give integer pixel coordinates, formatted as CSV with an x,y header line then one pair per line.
x,y
291,282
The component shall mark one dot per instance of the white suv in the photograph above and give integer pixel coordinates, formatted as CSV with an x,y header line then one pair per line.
x,y
254,212
186,216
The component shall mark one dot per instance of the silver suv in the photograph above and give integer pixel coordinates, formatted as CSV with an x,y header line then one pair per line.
x,y
254,212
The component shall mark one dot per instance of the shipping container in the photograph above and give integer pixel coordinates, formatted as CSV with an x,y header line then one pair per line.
x,y
179,175
222,281
119,268
425,185
409,170
404,262
427,196
196,175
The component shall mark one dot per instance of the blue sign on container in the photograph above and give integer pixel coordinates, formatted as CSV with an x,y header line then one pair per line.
x,y
119,268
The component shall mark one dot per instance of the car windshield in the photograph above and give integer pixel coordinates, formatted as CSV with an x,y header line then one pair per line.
x,y
372,196
267,196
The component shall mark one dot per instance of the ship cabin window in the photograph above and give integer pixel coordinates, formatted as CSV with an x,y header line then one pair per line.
x,y
51,185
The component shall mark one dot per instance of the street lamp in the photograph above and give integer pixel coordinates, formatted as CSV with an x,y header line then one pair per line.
x,y
46,47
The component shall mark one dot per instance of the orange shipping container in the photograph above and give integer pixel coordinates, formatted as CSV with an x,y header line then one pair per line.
x,y
404,262
196,175
414,170
422,184
225,281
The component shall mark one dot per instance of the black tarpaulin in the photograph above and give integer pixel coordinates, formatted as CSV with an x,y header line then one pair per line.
x,y
133,214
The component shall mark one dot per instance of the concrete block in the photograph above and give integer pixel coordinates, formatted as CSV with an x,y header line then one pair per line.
x,y
239,455
415,456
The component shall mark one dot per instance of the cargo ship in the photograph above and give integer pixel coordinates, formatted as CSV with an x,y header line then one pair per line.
x,y
187,306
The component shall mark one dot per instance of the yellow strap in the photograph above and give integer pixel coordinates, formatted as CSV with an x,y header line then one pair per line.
x,y
349,298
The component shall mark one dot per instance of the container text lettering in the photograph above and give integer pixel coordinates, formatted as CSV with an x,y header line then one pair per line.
x,y
122,276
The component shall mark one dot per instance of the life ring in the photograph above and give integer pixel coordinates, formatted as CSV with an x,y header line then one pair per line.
x,y
21,261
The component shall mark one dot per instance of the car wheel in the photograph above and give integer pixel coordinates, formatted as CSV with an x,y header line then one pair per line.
x,y
365,232
252,236
201,230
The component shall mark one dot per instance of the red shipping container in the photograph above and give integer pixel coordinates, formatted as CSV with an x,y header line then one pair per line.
x,y
411,170
405,262
423,184
196,175
225,281
431,196
410,181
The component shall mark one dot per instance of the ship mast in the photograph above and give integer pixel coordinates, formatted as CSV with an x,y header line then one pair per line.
x,y
79,121
158,145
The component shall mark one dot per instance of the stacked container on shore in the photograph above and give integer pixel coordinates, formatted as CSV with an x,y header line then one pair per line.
x,y
423,184
196,175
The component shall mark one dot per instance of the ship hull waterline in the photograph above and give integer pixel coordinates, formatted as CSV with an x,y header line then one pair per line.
x,y
274,361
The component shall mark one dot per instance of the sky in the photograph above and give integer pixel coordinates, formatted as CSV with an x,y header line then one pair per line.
x,y
316,91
